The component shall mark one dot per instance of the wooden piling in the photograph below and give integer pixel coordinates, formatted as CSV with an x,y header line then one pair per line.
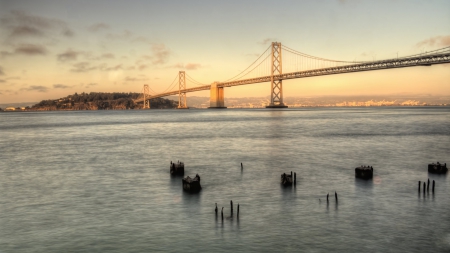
x,y
238,210
328,194
335,196
428,185
433,187
222,212
231,204
424,186
419,186
242,166
295,178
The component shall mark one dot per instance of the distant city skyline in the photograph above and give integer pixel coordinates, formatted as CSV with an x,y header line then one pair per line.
x,y
50,48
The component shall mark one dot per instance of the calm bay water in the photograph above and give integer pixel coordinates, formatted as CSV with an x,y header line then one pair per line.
x,y
99,181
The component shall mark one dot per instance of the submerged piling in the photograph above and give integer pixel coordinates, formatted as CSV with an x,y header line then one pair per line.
x,y
433,187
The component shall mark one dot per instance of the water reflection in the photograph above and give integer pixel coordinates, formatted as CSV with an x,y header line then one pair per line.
x,y
366,184
191,198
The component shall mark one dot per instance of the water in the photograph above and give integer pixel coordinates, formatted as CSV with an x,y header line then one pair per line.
x,y
99,181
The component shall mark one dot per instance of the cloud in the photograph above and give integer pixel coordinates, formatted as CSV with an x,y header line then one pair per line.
x,y
178,66
146,57
89,85
8,92
2,73
61,86
193,66
82,67
160,54
26,30
22,24
98,27
117,67
266,41
107,56
188,66
30,49
142,40
68,33
125,35
142,67
73,55
37,88
439,41
135,79
68,55
4,54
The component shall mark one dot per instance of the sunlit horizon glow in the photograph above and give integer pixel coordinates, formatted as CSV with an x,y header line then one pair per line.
x,y
50,49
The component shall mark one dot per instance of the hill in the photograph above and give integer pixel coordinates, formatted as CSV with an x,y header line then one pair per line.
x,y
100,101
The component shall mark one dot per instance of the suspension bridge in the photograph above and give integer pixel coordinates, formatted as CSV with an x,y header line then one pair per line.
x,y
279,63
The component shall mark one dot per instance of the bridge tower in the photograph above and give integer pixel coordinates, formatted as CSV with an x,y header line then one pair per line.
x,y
182,86
146,93
276,84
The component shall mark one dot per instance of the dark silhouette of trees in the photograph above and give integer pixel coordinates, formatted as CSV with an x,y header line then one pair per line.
x,y
101,101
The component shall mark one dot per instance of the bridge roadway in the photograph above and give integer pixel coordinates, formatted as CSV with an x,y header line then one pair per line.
x,y
424,60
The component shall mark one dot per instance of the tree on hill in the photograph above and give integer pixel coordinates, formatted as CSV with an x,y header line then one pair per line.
x,y
101,101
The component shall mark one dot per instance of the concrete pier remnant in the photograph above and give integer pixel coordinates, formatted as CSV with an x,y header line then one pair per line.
x,y
177,168
192,184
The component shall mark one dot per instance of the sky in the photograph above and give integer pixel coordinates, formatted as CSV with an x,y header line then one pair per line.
x,y
52,48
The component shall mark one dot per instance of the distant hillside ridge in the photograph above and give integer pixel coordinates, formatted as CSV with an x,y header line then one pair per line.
x,y
100,101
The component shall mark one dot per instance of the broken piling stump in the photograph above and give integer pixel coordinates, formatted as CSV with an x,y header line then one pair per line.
x,y
192,184
177,168
364,172
286,179
437,168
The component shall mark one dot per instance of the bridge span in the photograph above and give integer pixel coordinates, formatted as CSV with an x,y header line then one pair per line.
x,y
276,76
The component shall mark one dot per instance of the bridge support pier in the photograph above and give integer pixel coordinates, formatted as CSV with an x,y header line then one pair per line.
x,y
276,84
216,100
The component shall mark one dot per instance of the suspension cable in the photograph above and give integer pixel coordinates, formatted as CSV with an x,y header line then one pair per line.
x,y
249,65
193,80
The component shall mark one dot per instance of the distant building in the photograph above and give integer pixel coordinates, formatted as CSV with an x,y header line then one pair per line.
x,y
10,108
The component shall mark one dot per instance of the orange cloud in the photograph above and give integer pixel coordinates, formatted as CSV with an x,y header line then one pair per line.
x,y
440,41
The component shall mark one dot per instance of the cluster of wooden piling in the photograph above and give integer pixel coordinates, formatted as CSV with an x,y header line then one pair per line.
x,y
365,172
231,205
287,179
427,186
335,197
